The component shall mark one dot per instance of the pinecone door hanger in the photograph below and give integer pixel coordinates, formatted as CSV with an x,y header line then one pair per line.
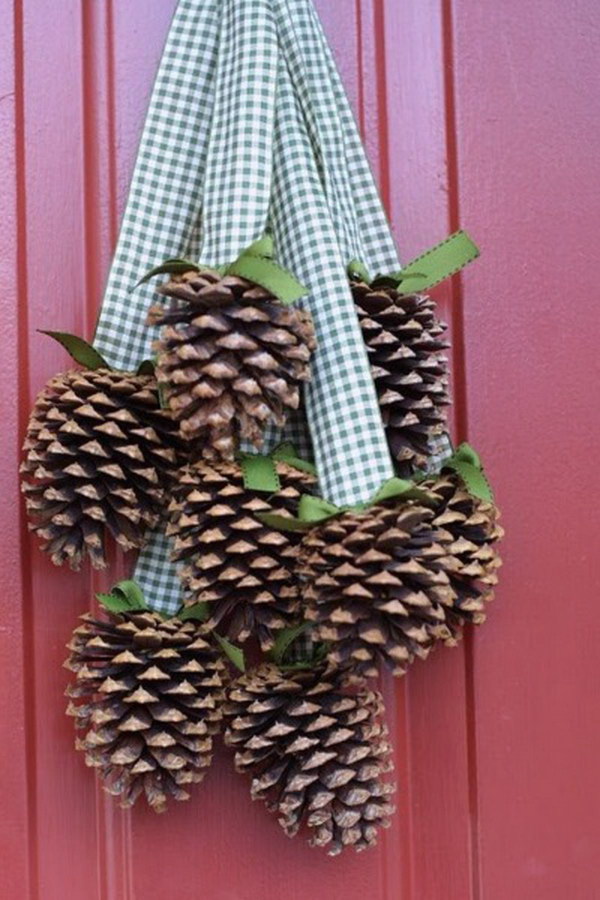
x,y
256,275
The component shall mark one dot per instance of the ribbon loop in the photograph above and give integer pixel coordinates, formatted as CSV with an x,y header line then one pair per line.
x,y
286,452
255,263
398,487
125,596
259,473
357,269
428,269
312,510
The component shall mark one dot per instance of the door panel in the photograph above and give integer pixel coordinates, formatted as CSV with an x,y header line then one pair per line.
x,y
474,115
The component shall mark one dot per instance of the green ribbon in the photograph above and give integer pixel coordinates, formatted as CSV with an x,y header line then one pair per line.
x,y
125,596
78,349
314,510
426,270
260,471
255,264
466,462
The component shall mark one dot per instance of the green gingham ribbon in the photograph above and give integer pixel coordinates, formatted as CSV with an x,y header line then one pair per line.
x,y
249,130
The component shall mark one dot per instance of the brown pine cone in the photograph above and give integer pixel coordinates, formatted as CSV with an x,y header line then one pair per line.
x,y
317,752
231,357
100,456
148,694
375,586
241,567
469,530
386,583
404,343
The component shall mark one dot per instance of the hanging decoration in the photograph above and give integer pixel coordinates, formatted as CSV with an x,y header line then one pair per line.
x,y
100,459
316,750
233,352
244,570
270,434
147,698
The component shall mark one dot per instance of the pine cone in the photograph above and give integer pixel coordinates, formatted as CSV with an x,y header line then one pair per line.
x,y
387,583
468,528
316,750
148,694
242,568
100,454
402,336
375,585
231,357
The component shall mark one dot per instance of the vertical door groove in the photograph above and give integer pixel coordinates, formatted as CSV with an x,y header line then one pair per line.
x,y
461,417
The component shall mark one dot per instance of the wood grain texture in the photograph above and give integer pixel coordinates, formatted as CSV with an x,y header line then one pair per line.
x,y
478,115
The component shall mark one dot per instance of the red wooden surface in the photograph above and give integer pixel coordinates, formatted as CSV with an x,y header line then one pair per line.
x,y
478,114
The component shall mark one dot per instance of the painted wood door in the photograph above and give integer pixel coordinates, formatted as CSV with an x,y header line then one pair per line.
x,y
474,114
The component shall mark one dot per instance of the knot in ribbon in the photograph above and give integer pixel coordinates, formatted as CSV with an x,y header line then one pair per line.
x,y
426,270
255,264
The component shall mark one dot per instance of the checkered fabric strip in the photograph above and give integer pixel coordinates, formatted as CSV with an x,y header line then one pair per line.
x,y
350,449
347,178
249,125
236,189
163,218
440,449
163,209
237,184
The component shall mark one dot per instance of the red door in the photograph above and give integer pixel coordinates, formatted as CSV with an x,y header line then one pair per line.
x,y
478,114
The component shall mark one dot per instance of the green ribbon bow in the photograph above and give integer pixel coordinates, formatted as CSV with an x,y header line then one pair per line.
x,y
427,270
314,510
260,471
255,263
467,463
